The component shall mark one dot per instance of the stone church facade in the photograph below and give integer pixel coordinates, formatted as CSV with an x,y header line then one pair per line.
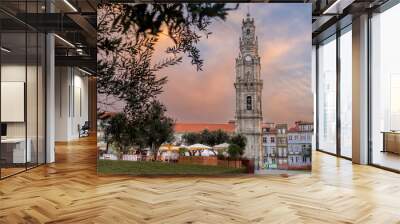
x,y
248,86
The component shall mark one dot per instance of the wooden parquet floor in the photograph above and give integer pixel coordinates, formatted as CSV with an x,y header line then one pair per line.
x,y
70,191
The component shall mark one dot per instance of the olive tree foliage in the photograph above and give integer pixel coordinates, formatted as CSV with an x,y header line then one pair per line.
x,y
126,40
118,133
157,128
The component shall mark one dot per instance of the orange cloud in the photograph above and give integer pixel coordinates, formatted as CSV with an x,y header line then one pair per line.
x,y
209,95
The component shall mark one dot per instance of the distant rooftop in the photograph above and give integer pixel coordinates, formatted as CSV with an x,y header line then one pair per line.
x,y
198,127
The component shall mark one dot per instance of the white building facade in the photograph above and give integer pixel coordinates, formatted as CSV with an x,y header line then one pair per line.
x,y
287,148
299,146
269,144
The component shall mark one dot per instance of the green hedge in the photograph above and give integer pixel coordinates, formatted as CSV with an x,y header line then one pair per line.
x,y
161,168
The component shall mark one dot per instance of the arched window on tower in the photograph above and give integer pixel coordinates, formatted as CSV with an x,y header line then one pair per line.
x,y
249,103
248,31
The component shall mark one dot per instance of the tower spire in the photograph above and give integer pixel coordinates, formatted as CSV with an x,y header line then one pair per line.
x,y
248,87
248,10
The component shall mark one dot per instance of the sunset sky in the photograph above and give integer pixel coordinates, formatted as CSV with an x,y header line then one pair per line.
x,y
283,32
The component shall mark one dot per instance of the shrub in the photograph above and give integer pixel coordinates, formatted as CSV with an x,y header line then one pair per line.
x,y
235,151
239,140
220,156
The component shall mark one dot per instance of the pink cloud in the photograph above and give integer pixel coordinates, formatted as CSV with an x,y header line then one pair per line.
x,y
209,95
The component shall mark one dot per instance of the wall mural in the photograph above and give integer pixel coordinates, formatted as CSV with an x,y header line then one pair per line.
x,y
204,89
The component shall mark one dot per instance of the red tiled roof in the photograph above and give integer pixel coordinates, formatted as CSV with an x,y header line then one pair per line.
x,y
198,127
294,129
303,122
271,131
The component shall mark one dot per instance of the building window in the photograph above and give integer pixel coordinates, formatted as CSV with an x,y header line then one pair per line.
x,y
265,140
22,87
346,93
249,103
248,31
327,95
272,140
385,89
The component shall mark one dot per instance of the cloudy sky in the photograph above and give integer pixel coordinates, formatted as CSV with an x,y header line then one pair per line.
x,y
284,35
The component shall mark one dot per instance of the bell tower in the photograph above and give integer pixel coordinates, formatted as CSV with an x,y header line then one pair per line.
x,y
248,86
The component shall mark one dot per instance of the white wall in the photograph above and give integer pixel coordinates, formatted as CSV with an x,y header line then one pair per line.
x,y
62,82
71,94
50,94
16,73
33,126
360,90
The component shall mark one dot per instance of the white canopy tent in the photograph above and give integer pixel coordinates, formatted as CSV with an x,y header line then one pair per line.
x,y
169,147
204,149
221,146
198,146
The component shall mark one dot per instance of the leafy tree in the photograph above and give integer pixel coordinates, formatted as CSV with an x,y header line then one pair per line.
x,y
157,128
235,151
220,137
183,23
206,137
127,34
191,138
118,133
212,138
106,134
239,140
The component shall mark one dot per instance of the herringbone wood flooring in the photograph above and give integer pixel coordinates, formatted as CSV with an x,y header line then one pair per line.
x,y
70,191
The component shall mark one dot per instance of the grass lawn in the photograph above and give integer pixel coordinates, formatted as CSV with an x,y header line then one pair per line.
x,y
160,168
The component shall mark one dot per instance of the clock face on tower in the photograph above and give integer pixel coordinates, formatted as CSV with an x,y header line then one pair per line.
x,y
248,87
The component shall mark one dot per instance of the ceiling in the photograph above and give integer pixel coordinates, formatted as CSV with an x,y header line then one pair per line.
x,y
75,22
331,15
